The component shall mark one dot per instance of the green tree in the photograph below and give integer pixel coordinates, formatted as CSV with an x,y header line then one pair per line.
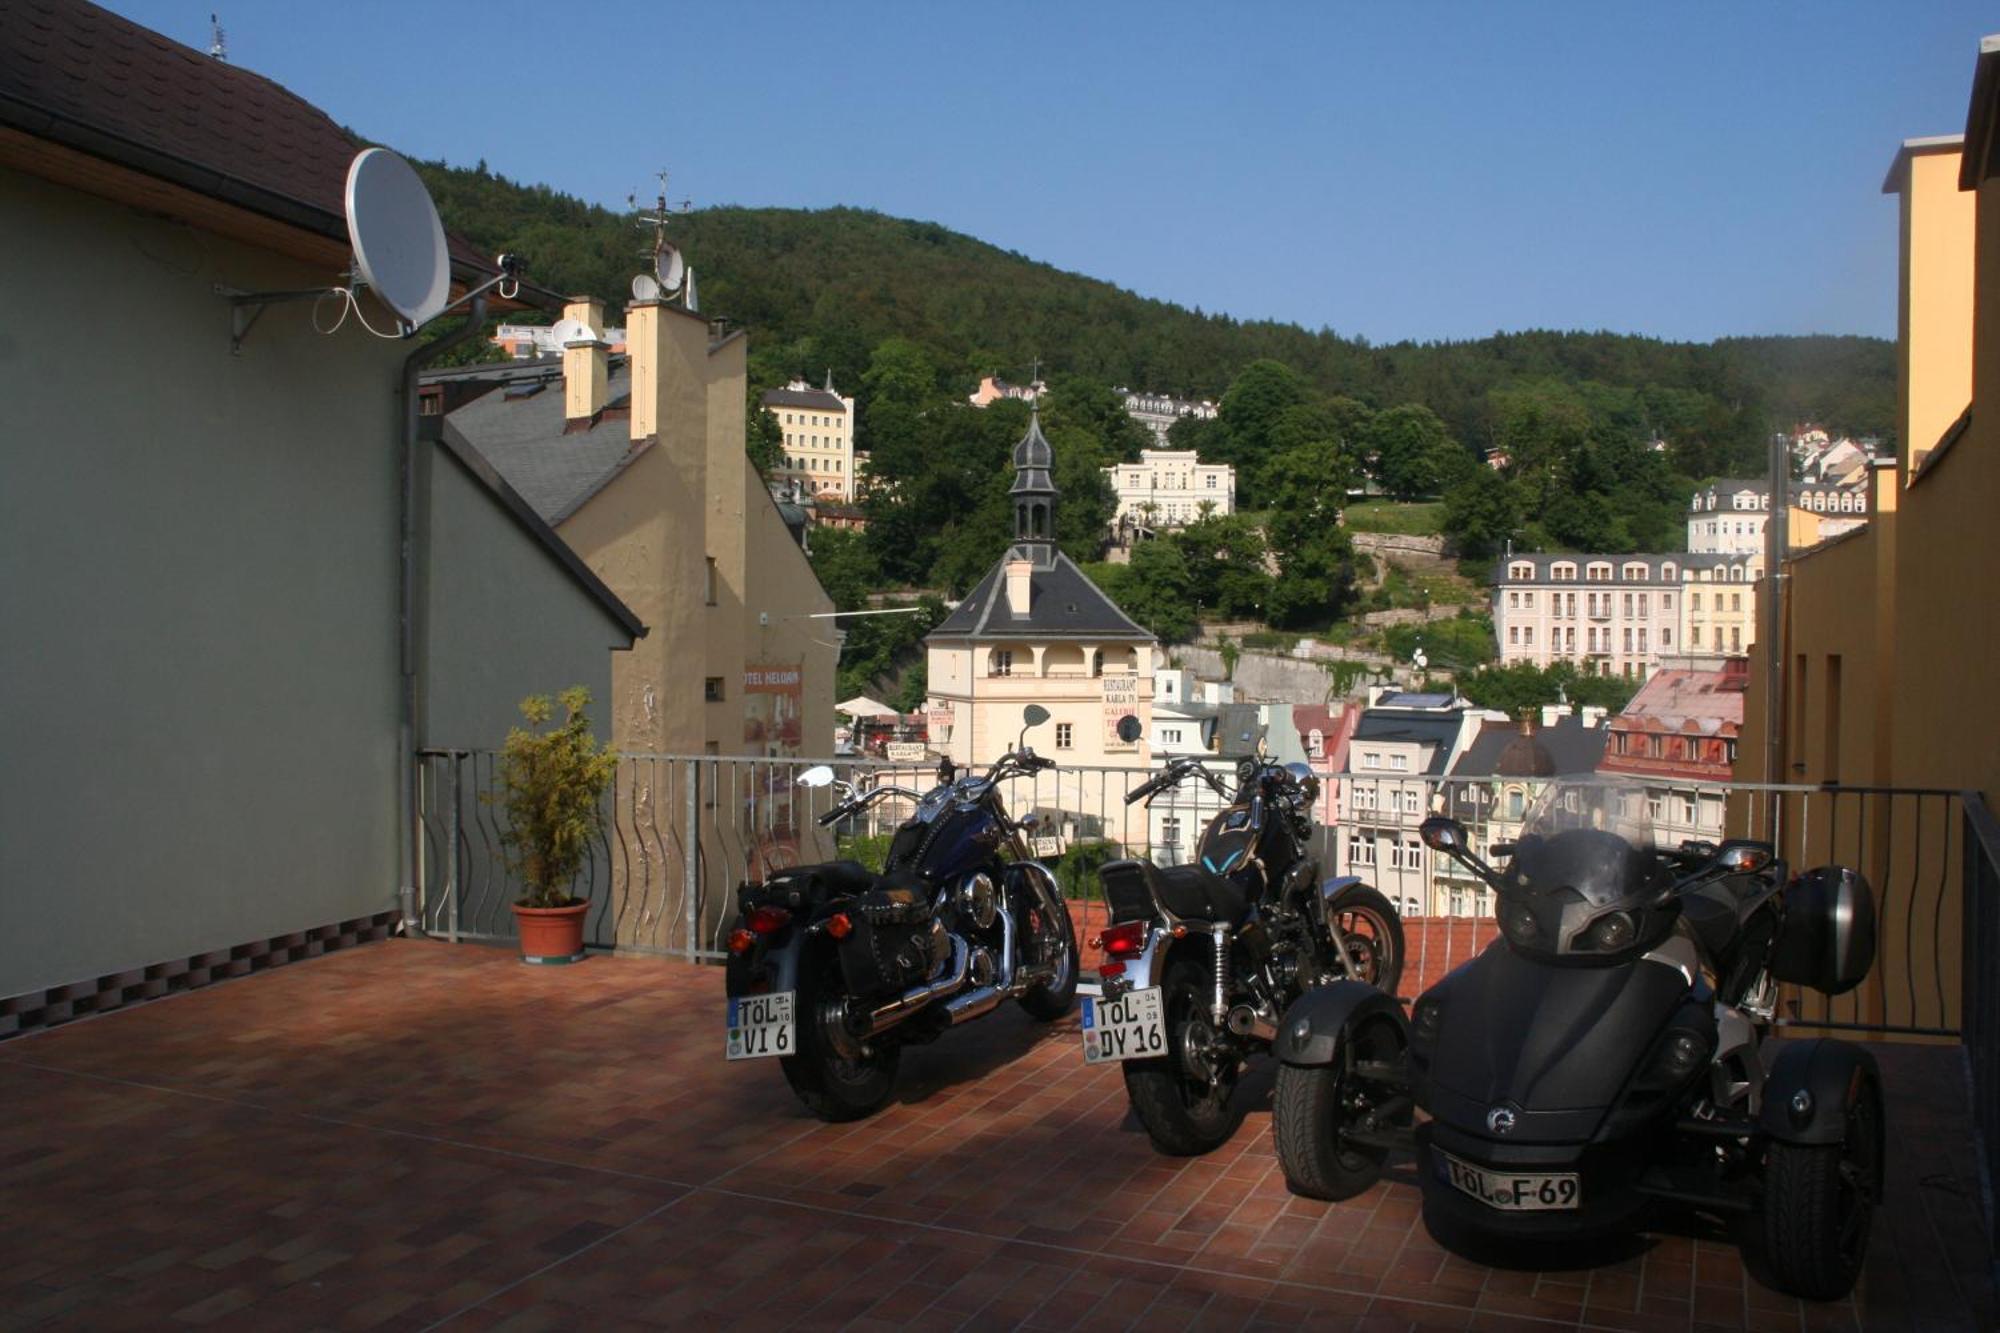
x,y
1481,513
764,437
1155,589
1225,560
1414,455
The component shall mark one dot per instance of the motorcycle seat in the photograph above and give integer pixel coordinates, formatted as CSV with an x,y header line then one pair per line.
x,y
831,879
1195,893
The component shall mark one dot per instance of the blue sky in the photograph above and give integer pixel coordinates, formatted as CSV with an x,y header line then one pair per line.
x,y
1403,170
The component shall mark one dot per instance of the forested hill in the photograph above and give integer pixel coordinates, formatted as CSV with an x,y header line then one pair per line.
x,y
821,289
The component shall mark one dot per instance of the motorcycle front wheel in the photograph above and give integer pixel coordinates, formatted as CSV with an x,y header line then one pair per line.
x,y
1374,935
1819,1205
837,1077
1186,1112
1049,1000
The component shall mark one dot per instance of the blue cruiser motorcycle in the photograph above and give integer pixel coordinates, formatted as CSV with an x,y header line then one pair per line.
x,y
1607,1055
834,969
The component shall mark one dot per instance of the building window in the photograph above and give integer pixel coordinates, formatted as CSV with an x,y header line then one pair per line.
x,y
1528,635
1564,571
1694,601
1316,743
1411,803
1003,661
1170,735
708,583
711,689
1371,759
1399,763
1360,850
1065,733
1170,831
1666,636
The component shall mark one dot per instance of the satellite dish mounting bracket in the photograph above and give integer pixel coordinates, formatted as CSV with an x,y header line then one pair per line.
x,y
246,308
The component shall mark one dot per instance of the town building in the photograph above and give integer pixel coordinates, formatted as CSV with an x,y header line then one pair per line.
x,y
230,630
1612,615
1730,516
1495,782
1679,732
1158,412
1402,745
992,389
1036,630
818,425
1883,677
639,464
1167,488
1324,732
527,342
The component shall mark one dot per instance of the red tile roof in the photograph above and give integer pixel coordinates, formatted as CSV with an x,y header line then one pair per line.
x,y
81,76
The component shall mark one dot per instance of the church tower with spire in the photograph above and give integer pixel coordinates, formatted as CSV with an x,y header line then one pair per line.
x,y
1037,630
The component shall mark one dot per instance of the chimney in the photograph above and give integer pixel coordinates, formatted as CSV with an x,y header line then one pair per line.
x,y
586,365
1020,574
1592,715
1554,713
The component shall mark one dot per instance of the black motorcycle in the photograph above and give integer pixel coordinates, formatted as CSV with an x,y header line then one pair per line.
x,y
833,969
1201,959
1604,1056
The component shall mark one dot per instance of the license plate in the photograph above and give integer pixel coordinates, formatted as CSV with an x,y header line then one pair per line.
x,y
1548,1191
761,1025
1131,1027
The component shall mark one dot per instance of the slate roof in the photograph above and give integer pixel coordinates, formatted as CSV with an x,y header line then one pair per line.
x,y
74,74
1573,747
525,440
819,400
1438,730
1062,603
1540,562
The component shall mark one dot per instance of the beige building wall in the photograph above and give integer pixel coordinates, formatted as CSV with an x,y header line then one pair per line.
x,y
1934,305
819,448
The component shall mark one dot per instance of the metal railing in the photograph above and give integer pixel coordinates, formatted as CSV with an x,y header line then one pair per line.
x,y
678,833
1981,972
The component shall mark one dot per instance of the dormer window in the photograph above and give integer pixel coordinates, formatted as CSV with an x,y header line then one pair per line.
x,y
1521,569
1635,572
1669,572
1564,571
1599,571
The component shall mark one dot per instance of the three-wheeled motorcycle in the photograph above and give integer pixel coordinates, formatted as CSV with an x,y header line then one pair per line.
x,y
833,968
1201,959
1606,1054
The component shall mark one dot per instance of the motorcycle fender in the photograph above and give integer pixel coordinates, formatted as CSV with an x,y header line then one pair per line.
x,y
1810,1087
1311,1030
1331,890
1148,967
766,969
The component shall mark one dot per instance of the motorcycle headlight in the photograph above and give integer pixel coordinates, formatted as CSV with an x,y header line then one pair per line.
x,y
1518,924
1611,932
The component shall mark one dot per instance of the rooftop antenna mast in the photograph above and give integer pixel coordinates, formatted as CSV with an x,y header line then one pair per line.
x,y
670,271
218,46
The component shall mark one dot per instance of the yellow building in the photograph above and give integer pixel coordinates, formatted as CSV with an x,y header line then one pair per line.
x,y
1886,676
1036,630
819,439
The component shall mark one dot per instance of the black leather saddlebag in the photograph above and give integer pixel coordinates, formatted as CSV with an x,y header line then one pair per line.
x,y
896,941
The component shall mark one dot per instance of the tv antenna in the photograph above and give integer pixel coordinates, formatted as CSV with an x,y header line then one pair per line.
x,y
218,46
399,255
669,268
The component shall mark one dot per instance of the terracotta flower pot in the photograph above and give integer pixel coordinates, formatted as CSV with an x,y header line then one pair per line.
x,y
551,935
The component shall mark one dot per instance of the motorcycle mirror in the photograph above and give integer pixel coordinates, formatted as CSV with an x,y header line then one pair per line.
x,y
1742,858
819,775
1129,728
1501,849
1034,715
1442,833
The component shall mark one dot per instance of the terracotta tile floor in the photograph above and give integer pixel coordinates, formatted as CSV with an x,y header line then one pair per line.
x,y
411,1134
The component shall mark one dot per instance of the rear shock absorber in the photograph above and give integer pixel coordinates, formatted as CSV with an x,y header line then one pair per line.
x,y
1220,933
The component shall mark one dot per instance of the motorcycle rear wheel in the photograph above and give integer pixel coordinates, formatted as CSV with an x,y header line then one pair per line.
x,y
836,1086
1184,1114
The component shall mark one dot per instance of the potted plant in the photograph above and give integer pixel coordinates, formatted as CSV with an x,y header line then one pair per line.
x,y
552,778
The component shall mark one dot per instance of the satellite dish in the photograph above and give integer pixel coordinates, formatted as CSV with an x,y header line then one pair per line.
x,y
1418,660
397,238
669,268
571,332
645,287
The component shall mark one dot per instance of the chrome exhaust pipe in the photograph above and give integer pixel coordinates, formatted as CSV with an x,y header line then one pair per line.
x,y
1245,1021
961,1008
884,1017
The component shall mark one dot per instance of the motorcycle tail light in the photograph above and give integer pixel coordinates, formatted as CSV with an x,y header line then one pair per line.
x,y
1125,941
740,940
769,920
1111,970
840,925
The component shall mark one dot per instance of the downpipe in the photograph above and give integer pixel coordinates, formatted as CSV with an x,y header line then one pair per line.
x,y
884,1017
410,817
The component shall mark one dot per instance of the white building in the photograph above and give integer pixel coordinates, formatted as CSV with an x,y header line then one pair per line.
x,y
1403,744
819,439
1612,615
1169,487
1730,516
1158,412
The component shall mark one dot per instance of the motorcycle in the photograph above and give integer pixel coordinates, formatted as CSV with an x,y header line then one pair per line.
x,y
834,969
1607,1054
1201,959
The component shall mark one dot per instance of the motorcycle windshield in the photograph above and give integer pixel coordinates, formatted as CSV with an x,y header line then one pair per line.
x,y
1594,840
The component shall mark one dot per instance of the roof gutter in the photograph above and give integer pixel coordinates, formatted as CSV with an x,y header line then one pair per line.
x,y
409,852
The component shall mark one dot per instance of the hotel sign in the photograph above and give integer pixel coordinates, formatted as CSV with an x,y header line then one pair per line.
x,y
1121,700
